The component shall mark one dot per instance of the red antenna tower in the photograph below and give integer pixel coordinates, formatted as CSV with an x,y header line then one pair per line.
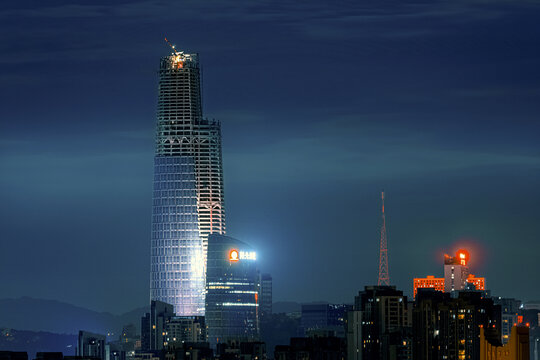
x,y
384,278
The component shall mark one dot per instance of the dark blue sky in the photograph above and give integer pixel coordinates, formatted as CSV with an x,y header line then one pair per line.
x,y
323,105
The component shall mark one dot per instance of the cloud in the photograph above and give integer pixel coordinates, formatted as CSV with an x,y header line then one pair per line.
x,y
355,151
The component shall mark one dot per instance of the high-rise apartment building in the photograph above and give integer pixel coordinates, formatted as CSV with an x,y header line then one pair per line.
x,y
447,327
188,187
456,271
386,324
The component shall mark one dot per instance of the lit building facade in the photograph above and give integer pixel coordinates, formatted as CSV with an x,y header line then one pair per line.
x,y
478,282
188,187
438,284
232,291
429,282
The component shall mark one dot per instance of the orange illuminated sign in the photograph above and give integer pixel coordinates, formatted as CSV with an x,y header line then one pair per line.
x,y
462,256
233,255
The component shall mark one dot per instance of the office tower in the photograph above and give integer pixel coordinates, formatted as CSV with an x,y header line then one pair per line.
x,y
188,187
456,271
185,329
266,296
324,318
447,327
429,282
91,345
153,325
232,291
386,320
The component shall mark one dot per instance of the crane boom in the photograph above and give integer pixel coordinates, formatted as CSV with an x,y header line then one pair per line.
x,y
172,47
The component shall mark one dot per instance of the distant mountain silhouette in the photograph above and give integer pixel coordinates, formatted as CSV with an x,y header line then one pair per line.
x,y
36,341
31,314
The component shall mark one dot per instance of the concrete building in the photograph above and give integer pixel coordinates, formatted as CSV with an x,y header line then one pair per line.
x,y
188,201
456,271
185,329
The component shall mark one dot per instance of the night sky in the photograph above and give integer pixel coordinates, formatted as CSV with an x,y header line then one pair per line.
x,y
322,104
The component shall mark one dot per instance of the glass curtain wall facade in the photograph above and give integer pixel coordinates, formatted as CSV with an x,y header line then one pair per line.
x,y
188,188
232,297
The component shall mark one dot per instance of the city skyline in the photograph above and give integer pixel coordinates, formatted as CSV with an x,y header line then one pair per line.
x,y
319,113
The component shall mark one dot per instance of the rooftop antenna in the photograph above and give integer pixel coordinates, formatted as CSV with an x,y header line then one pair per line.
x,y
384,278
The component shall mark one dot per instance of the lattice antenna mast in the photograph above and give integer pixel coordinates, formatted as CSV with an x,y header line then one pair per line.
x,y
384,278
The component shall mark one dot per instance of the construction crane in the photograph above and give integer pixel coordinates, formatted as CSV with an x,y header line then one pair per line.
x,y
172,47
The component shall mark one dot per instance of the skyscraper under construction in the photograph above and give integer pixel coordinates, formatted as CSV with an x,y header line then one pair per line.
x,y
188,187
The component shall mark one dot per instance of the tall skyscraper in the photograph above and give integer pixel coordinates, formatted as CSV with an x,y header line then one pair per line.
x,y
188,187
